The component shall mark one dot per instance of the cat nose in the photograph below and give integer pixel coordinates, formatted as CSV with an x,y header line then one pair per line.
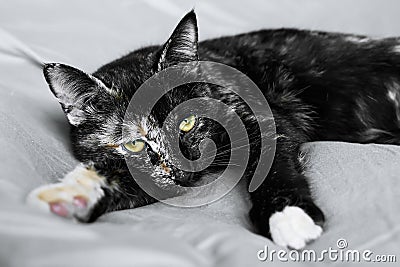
x,y
165,167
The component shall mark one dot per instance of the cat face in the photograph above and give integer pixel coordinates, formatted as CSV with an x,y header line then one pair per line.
x,y
95,106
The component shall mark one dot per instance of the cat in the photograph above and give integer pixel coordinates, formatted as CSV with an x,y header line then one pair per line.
x,y
319,85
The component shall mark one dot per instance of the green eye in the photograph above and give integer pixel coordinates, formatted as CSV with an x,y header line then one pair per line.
x,y
134,146
187,124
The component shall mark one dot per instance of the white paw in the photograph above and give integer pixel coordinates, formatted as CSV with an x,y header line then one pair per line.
x,y
74,196
293,228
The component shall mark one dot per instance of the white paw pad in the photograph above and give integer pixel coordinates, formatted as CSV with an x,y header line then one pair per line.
x,y
74,196
293,228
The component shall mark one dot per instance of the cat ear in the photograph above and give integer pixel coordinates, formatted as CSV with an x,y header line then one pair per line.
x,y
182,45
74,89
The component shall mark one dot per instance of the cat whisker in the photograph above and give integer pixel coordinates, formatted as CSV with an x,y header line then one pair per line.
x,y
225,165
230,144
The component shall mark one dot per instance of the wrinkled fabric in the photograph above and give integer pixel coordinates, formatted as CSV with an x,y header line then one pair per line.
x,y
357,186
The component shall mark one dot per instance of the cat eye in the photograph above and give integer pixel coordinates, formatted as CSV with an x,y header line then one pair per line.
x,y
187,124
134,146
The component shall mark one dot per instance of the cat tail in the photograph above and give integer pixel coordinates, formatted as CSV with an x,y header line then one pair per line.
x,y
10,45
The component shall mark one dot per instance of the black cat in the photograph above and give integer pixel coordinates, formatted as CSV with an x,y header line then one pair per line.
x,y
320,86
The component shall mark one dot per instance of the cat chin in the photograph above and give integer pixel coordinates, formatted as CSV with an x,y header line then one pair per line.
x,y
73,197
293,228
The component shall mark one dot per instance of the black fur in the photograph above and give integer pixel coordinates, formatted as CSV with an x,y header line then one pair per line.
x,y
320,86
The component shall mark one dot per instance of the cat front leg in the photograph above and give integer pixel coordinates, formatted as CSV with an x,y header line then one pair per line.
x,y
283,209
86,193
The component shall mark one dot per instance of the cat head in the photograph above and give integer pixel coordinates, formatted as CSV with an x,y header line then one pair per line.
x,y
95,105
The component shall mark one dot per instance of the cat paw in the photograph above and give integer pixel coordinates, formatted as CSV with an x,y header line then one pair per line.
x,y
74,197
293,228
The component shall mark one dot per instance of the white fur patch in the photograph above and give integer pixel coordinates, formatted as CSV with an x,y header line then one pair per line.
x,y
396,49
293,228
81,182
357,39
75,117
393,94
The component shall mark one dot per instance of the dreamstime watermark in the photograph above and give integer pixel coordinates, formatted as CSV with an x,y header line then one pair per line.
x,y
340,253
183,77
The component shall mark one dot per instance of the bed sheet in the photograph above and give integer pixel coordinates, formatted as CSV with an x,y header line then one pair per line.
x,y
357,186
